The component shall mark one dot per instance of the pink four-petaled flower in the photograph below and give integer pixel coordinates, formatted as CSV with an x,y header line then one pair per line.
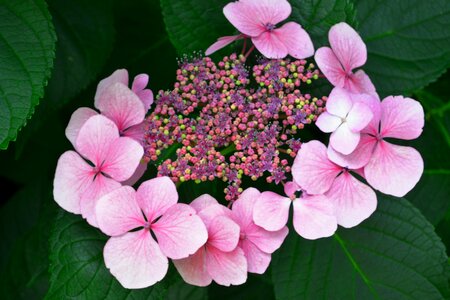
x,y
258,20
133,256
78,184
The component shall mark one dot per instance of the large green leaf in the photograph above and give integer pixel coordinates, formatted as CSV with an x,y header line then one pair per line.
x,y
77,268
395,254
408,42
27,49
25,221
193,25
317,16
85,32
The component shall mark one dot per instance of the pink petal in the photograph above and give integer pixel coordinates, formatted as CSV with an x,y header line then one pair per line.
x,y
213,211
359,157
140,171
95,138
360,82
72,176
353,200
97,188
359,117
203,202
121,105
223,234
344,140
193,268
330,66
271,211
242,211
120,76
250,16
348,46
269,44
179,231
226,268
339,102
139,83
314,217
155,196
401,118
117,212
146,96
296,40
77,120
374,104
136,132
312,170
267,241
123,158
222,42
290,188
328,122
257,260
394,170
135,259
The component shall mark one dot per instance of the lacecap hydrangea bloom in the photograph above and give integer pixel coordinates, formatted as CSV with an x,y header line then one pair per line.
x,y
238,122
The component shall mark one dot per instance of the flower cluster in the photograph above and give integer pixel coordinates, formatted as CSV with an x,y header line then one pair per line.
x,y
220,123
223,129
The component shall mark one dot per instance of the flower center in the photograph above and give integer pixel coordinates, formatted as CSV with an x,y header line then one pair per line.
x,y
242,236
147,225
270,27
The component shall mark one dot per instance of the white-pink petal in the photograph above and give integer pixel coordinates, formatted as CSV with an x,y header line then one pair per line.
x,y
314,217
117,212
359,157
257,261
328,122
226,268
77,120
348,46
344,140
155,196
135,259
202,202
223,233
179,231
242,17
267,241
353,200
359,117
360,82
193,269
242,211
222,42
296,40
312,170
271,211
120,76
339,102
123,158
394,170
330,66
401,118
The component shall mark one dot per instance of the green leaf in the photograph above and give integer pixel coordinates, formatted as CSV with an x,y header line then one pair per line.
x,y
317,16
25,221
193,25
408,42
85,32
395,254
183,291
77,268
27,49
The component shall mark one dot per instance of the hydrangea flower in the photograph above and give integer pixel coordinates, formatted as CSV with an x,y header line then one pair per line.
x,y
220,259
313,214
353,200
347,52
257,19
389,168
103,160
124,106
258,244
345,118
133,256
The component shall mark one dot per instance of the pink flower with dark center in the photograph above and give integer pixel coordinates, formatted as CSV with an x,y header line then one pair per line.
x,y
133,256
104,160
345,118
313,218
258,19
124,106
353,200
389,168
258,244
220,259
347,52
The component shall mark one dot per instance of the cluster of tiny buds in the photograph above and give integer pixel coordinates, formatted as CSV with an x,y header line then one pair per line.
x,y
217,123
